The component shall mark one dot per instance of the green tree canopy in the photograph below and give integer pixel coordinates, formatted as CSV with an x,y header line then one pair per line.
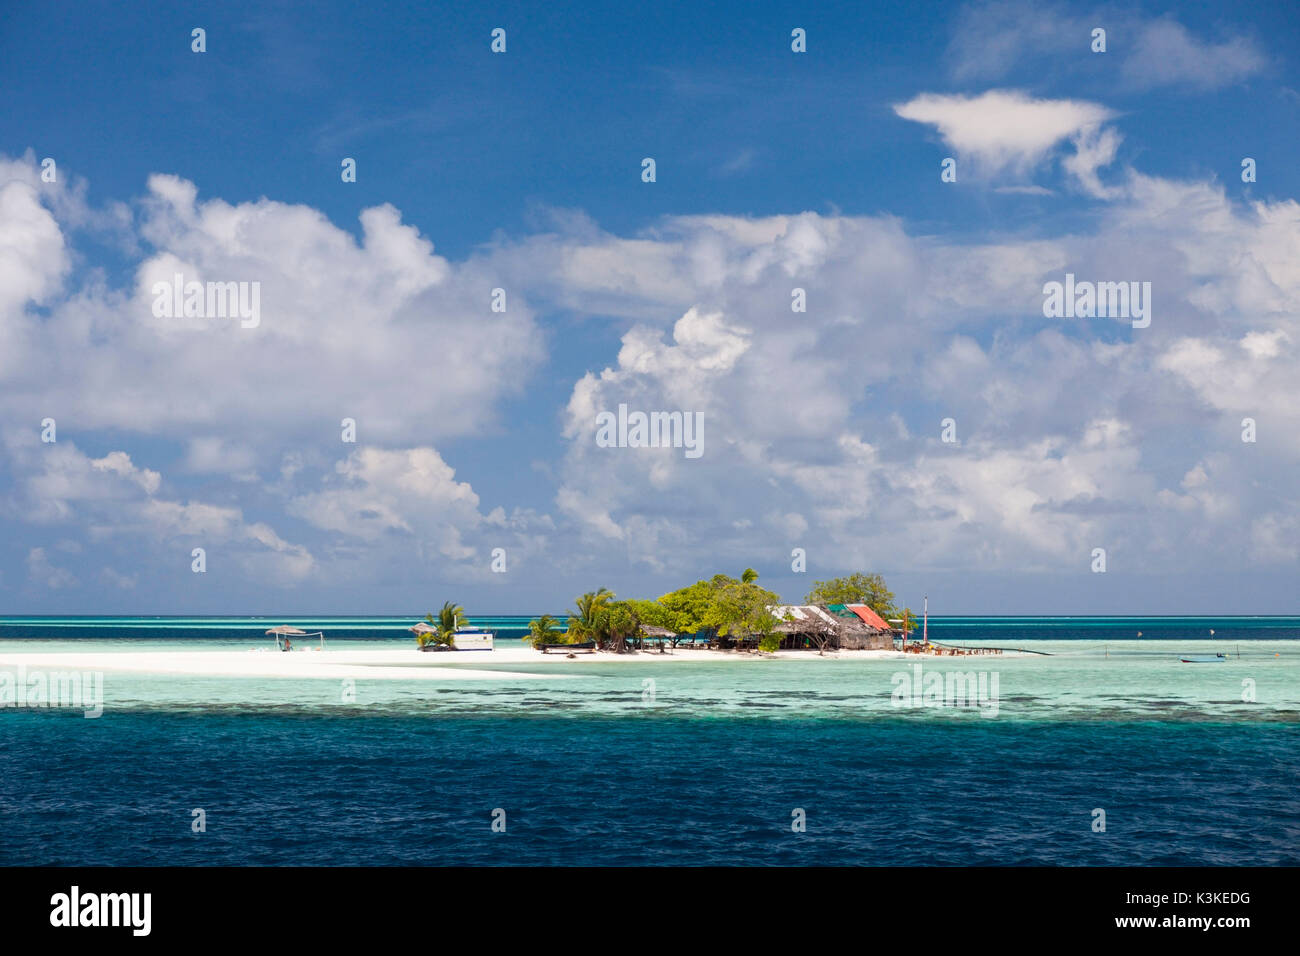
x,y
721,605
741,607
585,622
449,620
860,588
544,630
617,623
652,612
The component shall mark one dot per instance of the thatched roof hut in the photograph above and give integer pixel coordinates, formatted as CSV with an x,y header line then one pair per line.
x,y
827,628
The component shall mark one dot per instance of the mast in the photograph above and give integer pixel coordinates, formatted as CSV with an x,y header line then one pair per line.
x,y
925,626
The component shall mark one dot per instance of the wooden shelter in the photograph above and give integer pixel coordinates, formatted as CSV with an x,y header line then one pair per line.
x,y
656,633
822,627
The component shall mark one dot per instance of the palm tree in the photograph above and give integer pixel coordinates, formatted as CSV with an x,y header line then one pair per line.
x,y
585,624
618,624
543,630
450,619
749,577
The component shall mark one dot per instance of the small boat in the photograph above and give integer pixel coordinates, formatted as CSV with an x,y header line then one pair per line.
x,y
568,648
1203,659
473,639
465,639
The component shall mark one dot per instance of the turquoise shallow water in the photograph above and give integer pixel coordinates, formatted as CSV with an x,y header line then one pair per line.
x,y
1136,682
1128,680
707,769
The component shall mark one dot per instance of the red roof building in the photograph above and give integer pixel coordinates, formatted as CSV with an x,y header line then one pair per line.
x,y
869,617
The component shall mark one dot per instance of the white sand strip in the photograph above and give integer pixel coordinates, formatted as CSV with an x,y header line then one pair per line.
x,y
333,665
382,663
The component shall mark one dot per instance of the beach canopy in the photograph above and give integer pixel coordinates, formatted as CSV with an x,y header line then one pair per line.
x,y
282,633
423,627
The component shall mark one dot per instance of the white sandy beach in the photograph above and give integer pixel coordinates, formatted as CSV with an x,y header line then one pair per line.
x,y
385,663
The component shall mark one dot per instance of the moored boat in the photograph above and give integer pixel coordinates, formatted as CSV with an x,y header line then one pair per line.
x,y
473,639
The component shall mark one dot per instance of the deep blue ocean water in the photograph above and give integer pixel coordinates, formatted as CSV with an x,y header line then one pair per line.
x,y
358,791
712,776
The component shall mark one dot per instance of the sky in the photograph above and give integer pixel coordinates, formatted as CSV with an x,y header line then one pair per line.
x,y
921,172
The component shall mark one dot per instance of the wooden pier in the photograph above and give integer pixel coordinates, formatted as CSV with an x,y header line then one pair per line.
x,y
957,650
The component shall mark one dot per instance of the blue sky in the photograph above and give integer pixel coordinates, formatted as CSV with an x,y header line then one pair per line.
x,y
775,170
